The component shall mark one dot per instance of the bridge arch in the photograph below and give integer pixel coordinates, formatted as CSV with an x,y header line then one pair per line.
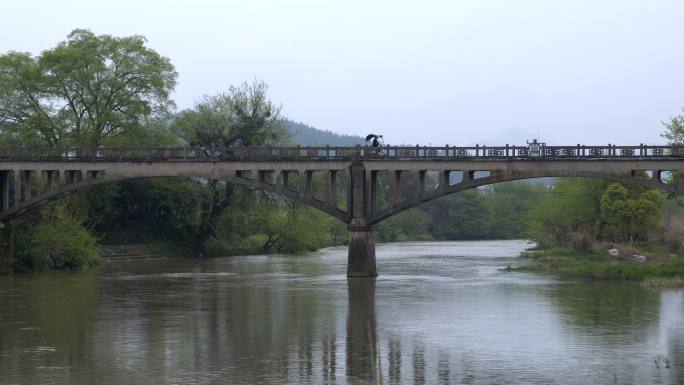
x,y
394,209
52,193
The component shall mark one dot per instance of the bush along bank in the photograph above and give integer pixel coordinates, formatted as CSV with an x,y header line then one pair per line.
x,y
48,239
649,264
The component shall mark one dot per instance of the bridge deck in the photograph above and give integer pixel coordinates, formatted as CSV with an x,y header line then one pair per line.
x,y
344,153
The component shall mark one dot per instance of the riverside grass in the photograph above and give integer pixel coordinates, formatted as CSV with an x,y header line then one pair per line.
x,y
656,272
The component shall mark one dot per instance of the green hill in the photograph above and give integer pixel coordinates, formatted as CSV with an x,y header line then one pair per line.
x,y
305,135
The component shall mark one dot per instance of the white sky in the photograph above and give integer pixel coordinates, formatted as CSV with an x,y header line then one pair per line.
x,y
456,72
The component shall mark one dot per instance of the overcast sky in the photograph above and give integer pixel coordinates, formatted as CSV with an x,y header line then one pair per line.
x,y
455,72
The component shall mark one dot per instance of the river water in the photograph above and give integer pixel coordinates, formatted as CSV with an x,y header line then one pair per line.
x,y
442,312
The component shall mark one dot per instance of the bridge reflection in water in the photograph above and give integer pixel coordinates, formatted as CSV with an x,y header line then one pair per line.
x,y
345,182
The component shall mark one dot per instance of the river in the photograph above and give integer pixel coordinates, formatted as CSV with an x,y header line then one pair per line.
x,y
440,312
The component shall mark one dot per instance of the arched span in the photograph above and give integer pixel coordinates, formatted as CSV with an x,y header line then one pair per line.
x,y
471,184
86,184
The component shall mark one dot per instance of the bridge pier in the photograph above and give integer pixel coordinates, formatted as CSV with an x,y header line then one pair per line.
x,y
361,257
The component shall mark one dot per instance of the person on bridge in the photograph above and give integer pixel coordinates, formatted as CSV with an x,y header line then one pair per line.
x,y
373,140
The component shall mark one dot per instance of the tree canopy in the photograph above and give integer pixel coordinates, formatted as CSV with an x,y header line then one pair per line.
x,y
83,92
241,115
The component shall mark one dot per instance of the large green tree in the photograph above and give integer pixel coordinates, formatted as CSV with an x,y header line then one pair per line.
x,y
241,115
86,91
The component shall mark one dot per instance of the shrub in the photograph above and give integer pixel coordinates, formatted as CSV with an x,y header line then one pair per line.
x,y
57,242
580,240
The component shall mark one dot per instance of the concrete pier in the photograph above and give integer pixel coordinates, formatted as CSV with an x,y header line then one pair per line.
x,y
361,257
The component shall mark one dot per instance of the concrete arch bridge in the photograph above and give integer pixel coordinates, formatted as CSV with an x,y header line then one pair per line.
x,y
360,186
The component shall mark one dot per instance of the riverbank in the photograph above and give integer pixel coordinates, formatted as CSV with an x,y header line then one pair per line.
x,y
648,264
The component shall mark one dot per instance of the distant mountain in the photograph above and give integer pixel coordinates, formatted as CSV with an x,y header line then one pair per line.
x,y
305,135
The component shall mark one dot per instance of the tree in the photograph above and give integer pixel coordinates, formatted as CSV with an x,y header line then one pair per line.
x,y
408,225
88,91
629,215
459,216
675,130
244,113
83,92
571,209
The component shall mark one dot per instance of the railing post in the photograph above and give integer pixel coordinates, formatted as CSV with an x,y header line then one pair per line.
x,y
418,151
506,150
446,155
477,150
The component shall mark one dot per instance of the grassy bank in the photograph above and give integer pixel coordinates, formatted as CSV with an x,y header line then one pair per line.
x,y
658,269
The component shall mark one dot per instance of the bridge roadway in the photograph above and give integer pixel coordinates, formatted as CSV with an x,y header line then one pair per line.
x,y
343,182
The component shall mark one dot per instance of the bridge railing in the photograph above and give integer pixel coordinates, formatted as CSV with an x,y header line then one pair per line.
x,y
339,153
